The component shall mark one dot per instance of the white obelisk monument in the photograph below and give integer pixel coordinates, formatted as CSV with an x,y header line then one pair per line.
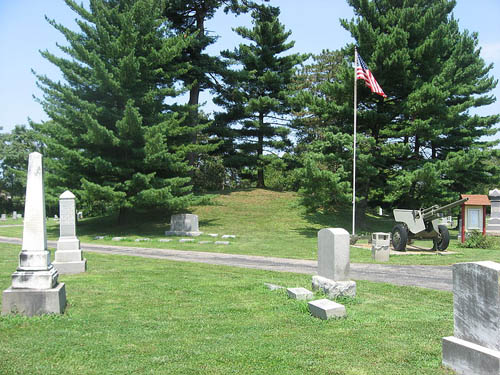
x,y
68,256
34,289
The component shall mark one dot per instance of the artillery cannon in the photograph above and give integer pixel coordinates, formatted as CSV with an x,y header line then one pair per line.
x,y
421,223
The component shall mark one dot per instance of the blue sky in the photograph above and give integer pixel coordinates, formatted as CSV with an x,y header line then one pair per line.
x,y
315,26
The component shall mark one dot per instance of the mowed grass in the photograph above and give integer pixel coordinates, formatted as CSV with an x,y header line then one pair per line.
x,y
131,315
265,222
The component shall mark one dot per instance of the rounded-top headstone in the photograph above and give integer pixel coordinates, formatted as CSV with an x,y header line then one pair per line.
x,y
67,195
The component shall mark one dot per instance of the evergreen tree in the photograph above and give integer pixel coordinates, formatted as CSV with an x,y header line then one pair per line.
x,y
433,75
112,138
255,95
15,148
188,17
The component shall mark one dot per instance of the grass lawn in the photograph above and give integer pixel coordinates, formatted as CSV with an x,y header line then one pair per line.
x,y
265,222
130,315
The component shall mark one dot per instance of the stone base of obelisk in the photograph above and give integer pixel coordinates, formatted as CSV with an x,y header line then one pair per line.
x,y
30,302
68,268
469,358
68,258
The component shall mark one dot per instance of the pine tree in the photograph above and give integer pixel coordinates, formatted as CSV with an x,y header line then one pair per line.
x,y
189,17
433,75
15,148
112,138
255,96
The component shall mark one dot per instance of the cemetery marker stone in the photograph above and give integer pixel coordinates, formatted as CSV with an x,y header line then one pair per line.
x,y
34,289
493,227
183,225
334,264
68,256
474,349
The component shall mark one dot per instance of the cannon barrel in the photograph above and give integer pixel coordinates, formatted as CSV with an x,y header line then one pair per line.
x,y
429,214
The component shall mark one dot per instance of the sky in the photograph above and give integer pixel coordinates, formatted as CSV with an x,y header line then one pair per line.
x,y
315,26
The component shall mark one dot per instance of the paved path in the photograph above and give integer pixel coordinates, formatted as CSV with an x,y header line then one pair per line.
x,y
431,277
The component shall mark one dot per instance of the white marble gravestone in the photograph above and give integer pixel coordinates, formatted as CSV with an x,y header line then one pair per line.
x,y
474,349
183,225
14,215
68,256
34,289
4,217
334,264
493,227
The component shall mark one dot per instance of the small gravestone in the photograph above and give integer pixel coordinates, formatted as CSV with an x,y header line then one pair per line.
x,y
334,264
380,246
117,238
493,227
142,239
326,309
98,237
68,256
14,215
228,236
79,215
164,240
19,216
221,242
3,217
56,218
204,242
183,225
35,289
300,293
273,287
184,240
474,349
213,234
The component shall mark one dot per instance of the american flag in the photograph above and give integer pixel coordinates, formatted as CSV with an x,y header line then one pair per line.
x,y
362,72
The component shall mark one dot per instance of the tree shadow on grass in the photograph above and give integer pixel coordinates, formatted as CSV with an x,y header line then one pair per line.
x,y
343,219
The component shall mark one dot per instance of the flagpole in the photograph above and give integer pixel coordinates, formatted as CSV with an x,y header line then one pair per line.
x,y
354,146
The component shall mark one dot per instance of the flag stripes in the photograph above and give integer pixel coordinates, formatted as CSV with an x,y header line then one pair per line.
x,y
362,72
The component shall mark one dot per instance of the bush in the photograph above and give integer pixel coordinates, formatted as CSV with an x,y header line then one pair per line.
x,y
476,240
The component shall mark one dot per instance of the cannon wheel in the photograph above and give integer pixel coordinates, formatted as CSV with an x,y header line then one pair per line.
x,y
399,237
443,241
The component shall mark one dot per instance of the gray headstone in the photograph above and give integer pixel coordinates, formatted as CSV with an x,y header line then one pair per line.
x,y
380,246
222,242
14,215
333,254
118,238
183,225
35,273
326,309
186,240
493,226
300,293
3,217
228,236
334,263
273,287
164,240
475,346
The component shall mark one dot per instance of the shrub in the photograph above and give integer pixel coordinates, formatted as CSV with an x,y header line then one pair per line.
x,y
476,240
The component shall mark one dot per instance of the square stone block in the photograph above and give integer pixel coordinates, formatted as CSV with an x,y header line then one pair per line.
x,y
30,302
467,358
273,287
63,256
300,293
334,289
333,254
476,303
326,309
70,268
68,243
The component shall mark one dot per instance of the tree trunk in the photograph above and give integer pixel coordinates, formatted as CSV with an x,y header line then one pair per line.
x,y
194,92
260,152
122,215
